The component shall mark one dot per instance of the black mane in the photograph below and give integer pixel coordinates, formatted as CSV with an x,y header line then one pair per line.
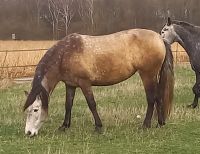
x,y
190,27
182,23
51,58
43,66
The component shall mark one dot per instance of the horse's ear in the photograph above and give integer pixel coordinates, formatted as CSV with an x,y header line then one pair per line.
x,y
169,22
26,93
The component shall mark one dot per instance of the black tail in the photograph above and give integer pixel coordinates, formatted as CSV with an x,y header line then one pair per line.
x,y
166,82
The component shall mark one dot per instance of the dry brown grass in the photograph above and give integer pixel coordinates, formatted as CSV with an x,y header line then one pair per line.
x,y
5,83
180,56
21,58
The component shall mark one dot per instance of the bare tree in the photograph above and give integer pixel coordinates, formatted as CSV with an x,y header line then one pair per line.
x,y
54,12
86,11
62,12
66,11
90,10
38,7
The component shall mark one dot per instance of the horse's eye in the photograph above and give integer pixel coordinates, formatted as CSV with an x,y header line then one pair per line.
x,y
35,110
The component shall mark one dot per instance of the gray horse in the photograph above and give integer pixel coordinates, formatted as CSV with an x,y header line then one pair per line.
x,y
188,36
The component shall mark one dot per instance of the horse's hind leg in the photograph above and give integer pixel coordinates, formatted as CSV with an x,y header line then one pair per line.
x,y
195,102
196,91
150,85
159,109
87,91
70,92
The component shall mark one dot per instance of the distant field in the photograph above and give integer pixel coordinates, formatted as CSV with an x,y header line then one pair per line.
x,y
22,58
25,58
180,56
118,106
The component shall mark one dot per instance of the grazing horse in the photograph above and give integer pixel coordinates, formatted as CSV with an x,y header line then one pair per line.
x,y
188,36
85,61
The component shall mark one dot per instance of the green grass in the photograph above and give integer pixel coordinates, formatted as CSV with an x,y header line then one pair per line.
x,y
118,107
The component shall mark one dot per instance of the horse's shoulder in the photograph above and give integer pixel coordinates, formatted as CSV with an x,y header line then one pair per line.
x,y
72,37
72,42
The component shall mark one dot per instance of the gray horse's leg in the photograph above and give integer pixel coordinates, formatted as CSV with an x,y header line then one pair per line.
x,y
195,102
196,91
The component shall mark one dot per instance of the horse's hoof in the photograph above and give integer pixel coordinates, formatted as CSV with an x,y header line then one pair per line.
x,y
160,125
62,128
193,106
98,130
146,125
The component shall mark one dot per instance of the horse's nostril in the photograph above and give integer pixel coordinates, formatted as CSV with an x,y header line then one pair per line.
x,y
32,135
29,133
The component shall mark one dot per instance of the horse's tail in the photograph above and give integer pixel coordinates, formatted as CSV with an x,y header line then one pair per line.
x,y
166,82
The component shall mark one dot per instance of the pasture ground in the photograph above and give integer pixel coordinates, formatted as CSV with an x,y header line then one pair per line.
x,y
118,107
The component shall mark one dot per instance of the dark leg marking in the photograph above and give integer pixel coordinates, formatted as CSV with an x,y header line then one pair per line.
x,y
150,94
195,102
87,91
196,91
70,93
160,112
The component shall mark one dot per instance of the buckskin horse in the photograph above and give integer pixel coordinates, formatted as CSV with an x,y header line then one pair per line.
x,y
188,36
85,61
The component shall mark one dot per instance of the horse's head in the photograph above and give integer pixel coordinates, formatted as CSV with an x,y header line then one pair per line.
x,y
36,115
168,32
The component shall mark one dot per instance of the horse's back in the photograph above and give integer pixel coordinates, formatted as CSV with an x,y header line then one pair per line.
x,y
110,59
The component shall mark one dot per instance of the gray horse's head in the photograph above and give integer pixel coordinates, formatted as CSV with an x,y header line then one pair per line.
x,y
168,32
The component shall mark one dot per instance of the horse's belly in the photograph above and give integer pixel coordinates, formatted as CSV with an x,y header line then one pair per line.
x,y
106,78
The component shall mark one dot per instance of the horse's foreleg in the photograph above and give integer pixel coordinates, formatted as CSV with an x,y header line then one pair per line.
x,y
70,93
87,91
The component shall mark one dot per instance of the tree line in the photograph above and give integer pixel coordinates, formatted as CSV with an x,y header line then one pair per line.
x,y
53,19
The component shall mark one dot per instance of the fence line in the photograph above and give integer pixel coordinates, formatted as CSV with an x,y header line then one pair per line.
x,y
22,50
175,51
18,66
14,71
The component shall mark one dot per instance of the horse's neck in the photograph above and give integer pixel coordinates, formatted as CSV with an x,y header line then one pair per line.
x,y
185,39
49,69
50,80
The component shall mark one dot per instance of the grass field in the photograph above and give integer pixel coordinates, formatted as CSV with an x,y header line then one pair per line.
x,y
118,106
